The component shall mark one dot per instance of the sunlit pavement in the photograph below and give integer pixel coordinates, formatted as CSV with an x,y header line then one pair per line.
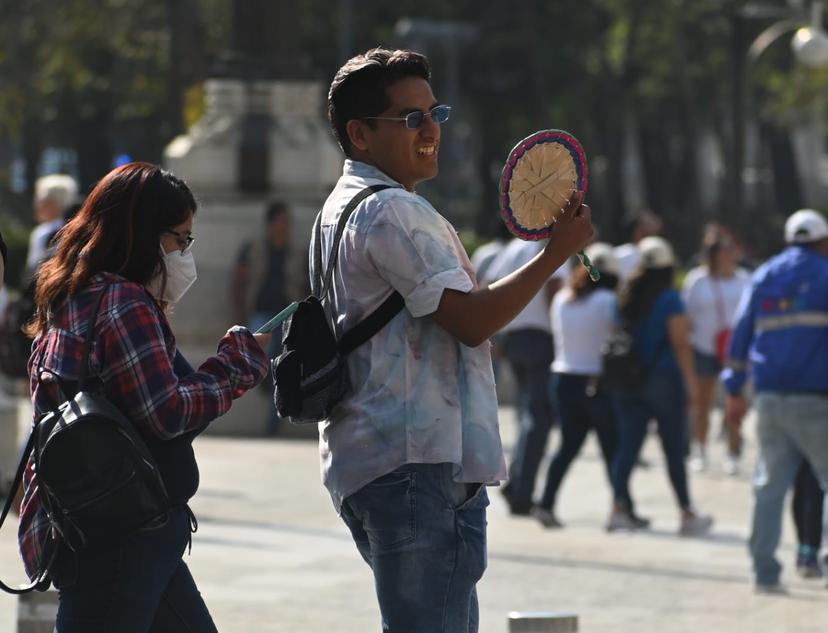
x,y
270,554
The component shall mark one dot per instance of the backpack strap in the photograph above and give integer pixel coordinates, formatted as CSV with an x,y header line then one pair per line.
x,y
90,337
371,324
340,229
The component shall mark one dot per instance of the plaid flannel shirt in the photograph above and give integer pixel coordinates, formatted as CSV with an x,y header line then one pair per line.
x,y
133,354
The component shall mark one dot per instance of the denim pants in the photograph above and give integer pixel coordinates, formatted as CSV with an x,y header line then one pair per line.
x,y
138,586
581,410
530,352
424,537
807,507
790,428
661,397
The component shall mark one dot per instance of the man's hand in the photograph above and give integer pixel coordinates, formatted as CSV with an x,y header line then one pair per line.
x,y
573,228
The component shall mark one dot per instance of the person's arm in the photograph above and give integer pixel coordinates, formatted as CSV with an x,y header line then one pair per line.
x,y
678,331
734,374
238,286
138,372
473,317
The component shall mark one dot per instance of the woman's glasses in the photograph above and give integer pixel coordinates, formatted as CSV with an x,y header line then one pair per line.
x,y
413,120
185,241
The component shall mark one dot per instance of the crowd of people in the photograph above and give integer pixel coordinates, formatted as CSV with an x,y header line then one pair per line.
x,y
408,454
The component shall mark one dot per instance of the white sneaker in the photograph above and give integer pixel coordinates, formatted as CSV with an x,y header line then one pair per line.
x,y
730,465
698,459
694,524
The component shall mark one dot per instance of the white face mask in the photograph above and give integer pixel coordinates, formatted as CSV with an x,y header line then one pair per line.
x,y
181,274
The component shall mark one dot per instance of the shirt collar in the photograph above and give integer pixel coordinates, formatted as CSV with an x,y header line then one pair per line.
x,y
364,170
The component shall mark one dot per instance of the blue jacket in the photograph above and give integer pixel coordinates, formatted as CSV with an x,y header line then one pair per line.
x,y
781,327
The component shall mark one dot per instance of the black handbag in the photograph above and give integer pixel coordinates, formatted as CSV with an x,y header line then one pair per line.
x,y
97,480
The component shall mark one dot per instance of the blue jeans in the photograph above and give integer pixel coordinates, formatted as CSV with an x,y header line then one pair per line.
x,y
530,352
424,537
791,428
138,586
580,412
661,397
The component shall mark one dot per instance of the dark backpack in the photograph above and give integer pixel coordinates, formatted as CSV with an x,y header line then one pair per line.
x,y
623,368
97,480
310,376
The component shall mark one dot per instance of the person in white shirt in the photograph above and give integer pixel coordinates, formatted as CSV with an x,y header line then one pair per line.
x,y
583,314
711,294
408,453
54,194
526,345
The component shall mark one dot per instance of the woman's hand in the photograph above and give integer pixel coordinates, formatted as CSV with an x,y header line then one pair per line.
x,y
263,340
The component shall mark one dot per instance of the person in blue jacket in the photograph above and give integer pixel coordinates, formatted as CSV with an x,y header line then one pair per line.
x,y
781,338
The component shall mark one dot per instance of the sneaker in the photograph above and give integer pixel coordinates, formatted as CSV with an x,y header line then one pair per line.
x,y
694,524
698,459
641,523
807,564
775,589
623,520
546,517
730,465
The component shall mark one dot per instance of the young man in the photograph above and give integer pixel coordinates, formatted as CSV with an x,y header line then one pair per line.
x,y
406,456
781,335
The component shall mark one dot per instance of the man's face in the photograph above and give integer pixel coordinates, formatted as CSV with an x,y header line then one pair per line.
x,y
46,210
407,156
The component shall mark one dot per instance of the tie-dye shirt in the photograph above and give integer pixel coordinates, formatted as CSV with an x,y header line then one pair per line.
x,y
419,395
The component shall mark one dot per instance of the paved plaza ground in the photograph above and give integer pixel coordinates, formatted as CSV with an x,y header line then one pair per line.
x,y
271,555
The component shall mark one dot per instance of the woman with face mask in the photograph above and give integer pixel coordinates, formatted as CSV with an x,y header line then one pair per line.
x,y
130,245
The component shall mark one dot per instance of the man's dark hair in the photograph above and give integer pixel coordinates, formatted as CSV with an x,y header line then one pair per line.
x,y
275,209
359,88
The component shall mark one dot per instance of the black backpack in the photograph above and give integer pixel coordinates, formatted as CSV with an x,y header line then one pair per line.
x,y
97,480
623,370
310,376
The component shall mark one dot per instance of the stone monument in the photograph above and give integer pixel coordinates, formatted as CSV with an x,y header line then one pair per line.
x,y
263,137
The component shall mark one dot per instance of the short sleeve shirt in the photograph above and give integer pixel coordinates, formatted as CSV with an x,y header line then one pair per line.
x,y
652,333
418,395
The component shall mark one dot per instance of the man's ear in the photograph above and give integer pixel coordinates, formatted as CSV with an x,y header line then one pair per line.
x,y
356,134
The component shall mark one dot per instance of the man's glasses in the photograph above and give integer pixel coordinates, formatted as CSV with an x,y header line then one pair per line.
x,y
185,241
413,120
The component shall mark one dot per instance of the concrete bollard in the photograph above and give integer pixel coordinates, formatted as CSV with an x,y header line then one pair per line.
x,y
542,622
36,611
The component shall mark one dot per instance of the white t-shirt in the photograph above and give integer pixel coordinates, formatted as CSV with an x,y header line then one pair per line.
x,y
483,258
518,252
580,328
418,395
711,304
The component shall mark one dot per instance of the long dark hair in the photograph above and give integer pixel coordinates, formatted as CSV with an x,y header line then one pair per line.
x,y
118,230
638,295
582,286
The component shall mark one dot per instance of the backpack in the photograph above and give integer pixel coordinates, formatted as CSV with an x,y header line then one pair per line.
x,y
310,375
622,366
97,480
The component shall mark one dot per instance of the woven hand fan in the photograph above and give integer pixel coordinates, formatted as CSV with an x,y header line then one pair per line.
x,y
537,182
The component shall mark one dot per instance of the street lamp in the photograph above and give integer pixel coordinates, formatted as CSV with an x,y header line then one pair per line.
x,y
809,46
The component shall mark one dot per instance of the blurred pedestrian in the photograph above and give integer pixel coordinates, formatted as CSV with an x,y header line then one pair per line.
x,y
54,195
807,510
711,294
408,453
781,337
526,345
652,310
583,314
487,253
265,280
644,224
130,241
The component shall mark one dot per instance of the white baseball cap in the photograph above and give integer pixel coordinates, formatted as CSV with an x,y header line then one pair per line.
x,y
655,252
806,225
603,258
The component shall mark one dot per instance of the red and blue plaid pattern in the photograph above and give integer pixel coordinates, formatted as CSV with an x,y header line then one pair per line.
x,y
133,355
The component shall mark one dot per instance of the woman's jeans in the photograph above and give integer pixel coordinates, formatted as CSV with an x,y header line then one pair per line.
x,y
581,408
662,398
138,586
424,537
